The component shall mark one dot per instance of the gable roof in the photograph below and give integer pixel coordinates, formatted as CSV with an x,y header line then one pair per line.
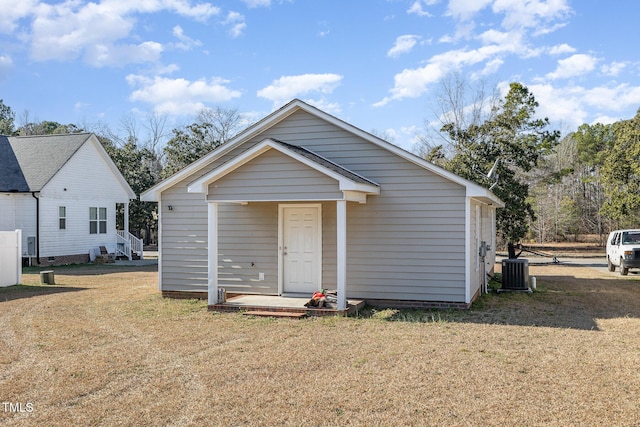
x,y
347,180
41,157
326,163
12,180
28,163
472,189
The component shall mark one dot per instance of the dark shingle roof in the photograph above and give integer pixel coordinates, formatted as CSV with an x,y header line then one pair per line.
x,y
11,177
27,163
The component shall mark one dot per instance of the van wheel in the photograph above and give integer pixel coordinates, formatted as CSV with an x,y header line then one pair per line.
x,y
623,270
610,266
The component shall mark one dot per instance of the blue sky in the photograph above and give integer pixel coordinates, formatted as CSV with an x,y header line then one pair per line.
x,y
377,64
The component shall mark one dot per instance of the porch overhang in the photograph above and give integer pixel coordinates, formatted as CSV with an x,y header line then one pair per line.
x,y
350,186
274,171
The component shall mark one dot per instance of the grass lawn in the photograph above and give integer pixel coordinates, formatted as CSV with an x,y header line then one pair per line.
x,y
102,348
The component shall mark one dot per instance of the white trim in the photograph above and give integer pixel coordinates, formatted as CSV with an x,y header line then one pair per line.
x,y
472,189
477,238
126,217
354,196
345,184
341,253
160,241
114,169
281,209
467,250
277,199
212,262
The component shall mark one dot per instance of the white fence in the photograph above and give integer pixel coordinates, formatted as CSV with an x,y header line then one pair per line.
x,y
10,258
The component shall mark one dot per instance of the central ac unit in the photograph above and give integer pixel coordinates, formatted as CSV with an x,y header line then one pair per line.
x,y
515,274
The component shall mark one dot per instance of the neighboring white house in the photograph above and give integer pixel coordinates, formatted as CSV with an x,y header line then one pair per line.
x,y
62,191
303,200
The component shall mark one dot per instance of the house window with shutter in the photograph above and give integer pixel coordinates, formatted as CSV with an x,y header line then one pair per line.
x,y
97,220
62,217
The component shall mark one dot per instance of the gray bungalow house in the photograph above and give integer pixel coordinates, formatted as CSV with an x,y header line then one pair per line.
x,y
302,200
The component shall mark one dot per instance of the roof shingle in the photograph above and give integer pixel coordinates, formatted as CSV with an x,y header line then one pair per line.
x,y
27,163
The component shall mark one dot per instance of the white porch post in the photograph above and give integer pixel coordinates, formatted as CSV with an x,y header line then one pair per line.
x,y
213,253
341,250
126,217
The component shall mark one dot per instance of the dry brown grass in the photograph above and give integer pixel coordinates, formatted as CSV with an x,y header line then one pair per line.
x,y
103,348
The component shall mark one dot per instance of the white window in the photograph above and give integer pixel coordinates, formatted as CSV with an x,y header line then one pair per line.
x,y
62,217
97,220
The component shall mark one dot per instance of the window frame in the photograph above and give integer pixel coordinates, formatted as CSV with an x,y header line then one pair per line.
x,y
98,220
62,217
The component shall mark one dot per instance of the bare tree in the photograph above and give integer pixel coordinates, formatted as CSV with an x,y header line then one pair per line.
x,y
457,103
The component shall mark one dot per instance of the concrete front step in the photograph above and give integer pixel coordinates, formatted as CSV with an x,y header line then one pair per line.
x,y
261,313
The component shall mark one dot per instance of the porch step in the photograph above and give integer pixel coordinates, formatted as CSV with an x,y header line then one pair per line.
x,y
264,313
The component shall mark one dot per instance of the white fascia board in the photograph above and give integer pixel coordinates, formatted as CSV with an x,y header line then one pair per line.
x,y
153,193
484,196
114,169
473,189
201,185
354,196
348,185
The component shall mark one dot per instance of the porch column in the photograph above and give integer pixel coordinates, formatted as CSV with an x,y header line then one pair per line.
x,y
341,250
212,263
126,218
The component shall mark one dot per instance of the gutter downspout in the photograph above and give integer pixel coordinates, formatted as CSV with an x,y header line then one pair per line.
x,y
33,194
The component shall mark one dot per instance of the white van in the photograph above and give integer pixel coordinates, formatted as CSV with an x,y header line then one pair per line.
x,y
623,250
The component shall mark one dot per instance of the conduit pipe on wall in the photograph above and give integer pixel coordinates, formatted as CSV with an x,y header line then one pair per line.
x,y
33,194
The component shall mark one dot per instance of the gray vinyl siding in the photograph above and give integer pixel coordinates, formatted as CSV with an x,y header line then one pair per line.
x,y
247,246
408,243
274,176
183,241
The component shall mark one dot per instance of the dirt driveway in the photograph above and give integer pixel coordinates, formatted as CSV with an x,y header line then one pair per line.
x,y
103,348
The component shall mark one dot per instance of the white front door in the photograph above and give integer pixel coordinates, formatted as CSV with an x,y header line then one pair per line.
x,y
301,248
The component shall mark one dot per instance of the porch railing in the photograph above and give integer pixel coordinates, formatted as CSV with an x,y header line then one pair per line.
x,y
128,245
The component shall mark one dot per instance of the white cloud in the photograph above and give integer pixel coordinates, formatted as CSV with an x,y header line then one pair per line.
x,y
236,21
101,33
561,49
411,83
115,55
325,105
324,29
186,42
257,3
578,105
613,69
288,87
78,106
14,10
613,98
262,3
565,102
6,64
179,96
464,9
495,37
417,7
535,14
573,66
605,120
492,67
403,44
